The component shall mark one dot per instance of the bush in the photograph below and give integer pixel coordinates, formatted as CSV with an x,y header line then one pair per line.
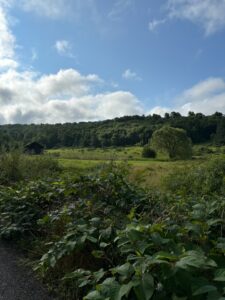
x,y
10,167
203,150
39,167
200,180
99,237
148,152
15,166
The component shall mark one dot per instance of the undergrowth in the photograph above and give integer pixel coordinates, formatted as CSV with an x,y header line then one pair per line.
x,y
100,237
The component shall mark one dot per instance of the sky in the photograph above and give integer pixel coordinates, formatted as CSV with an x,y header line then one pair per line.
x,y
87,60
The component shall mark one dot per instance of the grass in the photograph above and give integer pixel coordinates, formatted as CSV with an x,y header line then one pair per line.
x,y
119,153
147,172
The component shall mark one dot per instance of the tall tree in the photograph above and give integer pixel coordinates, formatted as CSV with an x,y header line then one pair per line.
x,y
173,141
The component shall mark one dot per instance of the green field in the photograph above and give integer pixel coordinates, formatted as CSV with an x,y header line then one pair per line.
x,y
148,172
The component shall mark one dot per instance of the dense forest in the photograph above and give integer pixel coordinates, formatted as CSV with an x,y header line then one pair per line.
x,y
124,131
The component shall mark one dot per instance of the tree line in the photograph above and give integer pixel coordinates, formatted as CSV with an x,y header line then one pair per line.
x,y
124,131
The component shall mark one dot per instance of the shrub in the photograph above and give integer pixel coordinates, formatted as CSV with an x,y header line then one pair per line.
x,y
199,180
148,152
15,166
39,167
10,167
203,150
100,237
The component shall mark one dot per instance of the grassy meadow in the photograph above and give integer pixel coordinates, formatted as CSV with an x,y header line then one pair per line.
x,y
148,172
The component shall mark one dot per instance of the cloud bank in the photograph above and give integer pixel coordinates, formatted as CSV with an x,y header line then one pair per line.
x,y
67,96
62,97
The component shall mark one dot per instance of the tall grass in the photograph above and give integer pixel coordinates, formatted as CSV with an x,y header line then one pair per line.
x,y
16,166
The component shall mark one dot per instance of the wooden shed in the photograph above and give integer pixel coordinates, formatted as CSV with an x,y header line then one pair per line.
x,y
34,148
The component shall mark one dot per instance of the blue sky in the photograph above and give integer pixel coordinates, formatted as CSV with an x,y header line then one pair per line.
x,y
81,60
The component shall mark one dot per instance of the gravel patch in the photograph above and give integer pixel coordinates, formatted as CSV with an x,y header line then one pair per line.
x,y
16,281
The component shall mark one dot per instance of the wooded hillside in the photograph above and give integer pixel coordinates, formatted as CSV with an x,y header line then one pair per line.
x,y
128,130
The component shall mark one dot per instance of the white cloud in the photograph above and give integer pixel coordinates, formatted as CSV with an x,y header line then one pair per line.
x,y
7,42
67,96
66,83
158,110
63,97
54,9
120,7
154,24
64,48
210,14
34,54
130,75
207,97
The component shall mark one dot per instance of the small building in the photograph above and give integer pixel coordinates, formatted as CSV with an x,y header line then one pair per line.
x,y
34,148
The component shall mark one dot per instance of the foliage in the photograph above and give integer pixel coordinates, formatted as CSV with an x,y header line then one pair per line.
x,y
10,167
101,237
219,138
173,141
203,150
148,152
124,131
199,180
22,205
14,166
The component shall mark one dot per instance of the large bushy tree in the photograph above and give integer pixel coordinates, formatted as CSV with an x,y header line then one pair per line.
x,y
173,141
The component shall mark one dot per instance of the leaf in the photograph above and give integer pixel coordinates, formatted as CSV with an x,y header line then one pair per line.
x,y
134,235
84,283
95,295
124,290
145,290
195,259
148,286
205,289
220,275
98,253
165,256
98,275
104,245
109,287
92,239
52,261
125,270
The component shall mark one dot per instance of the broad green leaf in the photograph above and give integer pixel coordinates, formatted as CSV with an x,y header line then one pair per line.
x,y
99,275
195,259
124,270
205,289
148,286
95,295
220,275
124,290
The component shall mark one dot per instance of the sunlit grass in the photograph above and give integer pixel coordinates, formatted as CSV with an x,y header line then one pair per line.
x,y
147,172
